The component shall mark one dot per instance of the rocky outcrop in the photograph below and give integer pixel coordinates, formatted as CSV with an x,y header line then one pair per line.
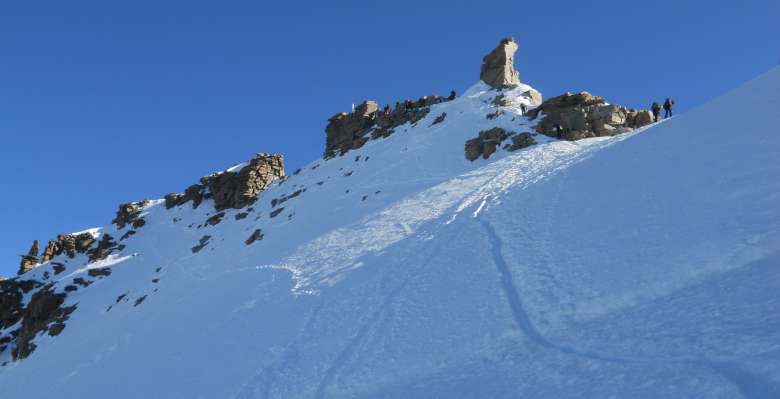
x,y
11,295
347,131
350,131
582,115
520,141
485,143
30,260
44,312
105,247
386,124
488,141
70,244
130,213
233,189
498,69
534,96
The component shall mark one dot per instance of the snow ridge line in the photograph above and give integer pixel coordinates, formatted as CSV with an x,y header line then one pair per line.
x,y
750,385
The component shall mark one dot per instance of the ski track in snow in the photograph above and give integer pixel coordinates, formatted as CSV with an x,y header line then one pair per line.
x,y
750,385
349,349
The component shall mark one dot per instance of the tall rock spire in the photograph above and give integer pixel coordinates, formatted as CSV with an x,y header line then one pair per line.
x,y
30,260
498,68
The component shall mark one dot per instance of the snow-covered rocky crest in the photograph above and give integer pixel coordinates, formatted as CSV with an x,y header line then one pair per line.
x,y
637,265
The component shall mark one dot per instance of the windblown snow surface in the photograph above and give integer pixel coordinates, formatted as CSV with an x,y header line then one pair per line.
x,y
645,265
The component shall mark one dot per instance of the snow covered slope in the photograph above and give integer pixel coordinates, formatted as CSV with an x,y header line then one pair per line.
x,y
645,265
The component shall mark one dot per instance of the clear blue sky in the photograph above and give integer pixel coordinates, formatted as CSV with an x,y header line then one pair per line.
x,y
103,102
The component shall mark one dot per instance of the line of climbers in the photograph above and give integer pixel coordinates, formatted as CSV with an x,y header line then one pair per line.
x,y
656,108
409,105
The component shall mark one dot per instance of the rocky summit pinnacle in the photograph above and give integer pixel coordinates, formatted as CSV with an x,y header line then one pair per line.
x,y
498,69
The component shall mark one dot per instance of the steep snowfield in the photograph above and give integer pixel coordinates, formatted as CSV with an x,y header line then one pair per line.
x,y
640,266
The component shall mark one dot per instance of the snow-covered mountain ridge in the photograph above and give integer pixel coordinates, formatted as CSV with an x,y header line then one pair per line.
x,y
638,265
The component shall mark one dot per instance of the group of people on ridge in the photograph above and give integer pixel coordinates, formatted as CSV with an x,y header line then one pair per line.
x,y
656,108
410,105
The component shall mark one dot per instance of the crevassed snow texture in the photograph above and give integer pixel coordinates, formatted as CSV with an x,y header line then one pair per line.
x,y
641,266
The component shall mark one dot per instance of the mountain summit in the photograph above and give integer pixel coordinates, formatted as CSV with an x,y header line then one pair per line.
x,y
484,245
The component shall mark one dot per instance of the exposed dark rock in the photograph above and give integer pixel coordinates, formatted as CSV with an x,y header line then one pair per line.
x,y
105,247
233,189
58,268
349,131
346,131
194,193
139,300
582,115
498,69
30,260
201,243
11,307
214,220
69,244
241,215
256,235
80,281
44,310
130,213
276,212
386,124
99,272
127,235
70,288
284,198
439,119
520,141
56,328
485,143
494,115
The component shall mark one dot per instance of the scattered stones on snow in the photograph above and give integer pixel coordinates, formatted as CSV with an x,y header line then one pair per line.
x,y
256,235
201,243
214,220
57,267
284,198
99,272
139,301
439,119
